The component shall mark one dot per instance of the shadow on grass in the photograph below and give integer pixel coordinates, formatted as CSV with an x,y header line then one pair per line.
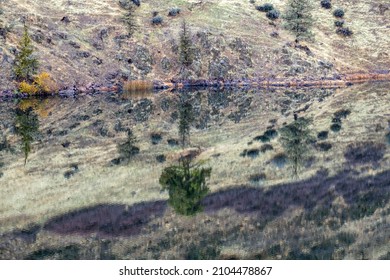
x,y
363,196
315,195
108,220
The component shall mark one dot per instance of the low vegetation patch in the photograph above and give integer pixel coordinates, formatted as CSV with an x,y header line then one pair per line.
x,y
365,153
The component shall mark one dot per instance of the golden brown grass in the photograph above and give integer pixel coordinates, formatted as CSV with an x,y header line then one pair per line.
x,y
137,86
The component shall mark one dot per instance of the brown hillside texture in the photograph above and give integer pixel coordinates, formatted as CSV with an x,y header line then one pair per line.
x,y
86,42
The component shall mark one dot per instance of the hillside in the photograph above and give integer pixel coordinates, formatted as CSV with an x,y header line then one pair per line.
x,y
87,42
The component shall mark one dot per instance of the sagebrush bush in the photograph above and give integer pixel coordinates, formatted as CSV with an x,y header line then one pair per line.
x,y
45,83
265,8
157,20
25,87
339,23
326,4
344,31
273,14
338,13
137,85
173,12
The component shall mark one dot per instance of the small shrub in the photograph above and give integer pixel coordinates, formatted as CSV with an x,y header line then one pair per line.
x,y
252,153
322,135
335,127
344,31
257,178
27,88
266,147
155,138
388,138
324,146
326,4
172,142
161,158
270,133
157,20
273,14
174,12
339,23
262,138
265,8
280,160
339,13
252,1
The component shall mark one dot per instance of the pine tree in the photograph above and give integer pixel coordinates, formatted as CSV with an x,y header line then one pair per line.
x,y
186,48
25,64
298,18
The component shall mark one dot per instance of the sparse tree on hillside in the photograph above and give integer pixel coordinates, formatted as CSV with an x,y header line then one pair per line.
x,y
186,46
26,64
295,139
298,18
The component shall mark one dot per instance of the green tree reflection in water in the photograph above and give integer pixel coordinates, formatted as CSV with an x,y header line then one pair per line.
x,y
27,126
296,139
187,186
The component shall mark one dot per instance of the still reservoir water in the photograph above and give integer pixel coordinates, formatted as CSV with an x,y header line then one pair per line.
x,y
291,174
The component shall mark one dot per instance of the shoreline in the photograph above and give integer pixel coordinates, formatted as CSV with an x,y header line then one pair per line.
x,y
339,82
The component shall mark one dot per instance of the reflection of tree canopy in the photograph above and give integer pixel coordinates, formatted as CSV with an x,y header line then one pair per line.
x,y
27,125
186,185
186,117
296,138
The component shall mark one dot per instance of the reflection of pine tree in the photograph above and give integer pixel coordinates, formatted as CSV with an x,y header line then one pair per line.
x,y
27,125
186,185
186,117
25,64
296,138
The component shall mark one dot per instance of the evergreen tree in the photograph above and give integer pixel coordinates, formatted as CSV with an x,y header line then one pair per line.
x,y
186,48
129,19
25,64
296,139
298,18
27,126
186,185
186,117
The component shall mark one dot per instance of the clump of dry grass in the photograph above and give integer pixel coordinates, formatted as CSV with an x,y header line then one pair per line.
x,y
137,85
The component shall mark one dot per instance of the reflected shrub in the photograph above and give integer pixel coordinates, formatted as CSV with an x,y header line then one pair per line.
x,y
324,146
280,160
186,185
265,8
322,135
266,147
257,178
273,14
339,13
339,23
335,127
173,12
344,31
326,4
157,20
